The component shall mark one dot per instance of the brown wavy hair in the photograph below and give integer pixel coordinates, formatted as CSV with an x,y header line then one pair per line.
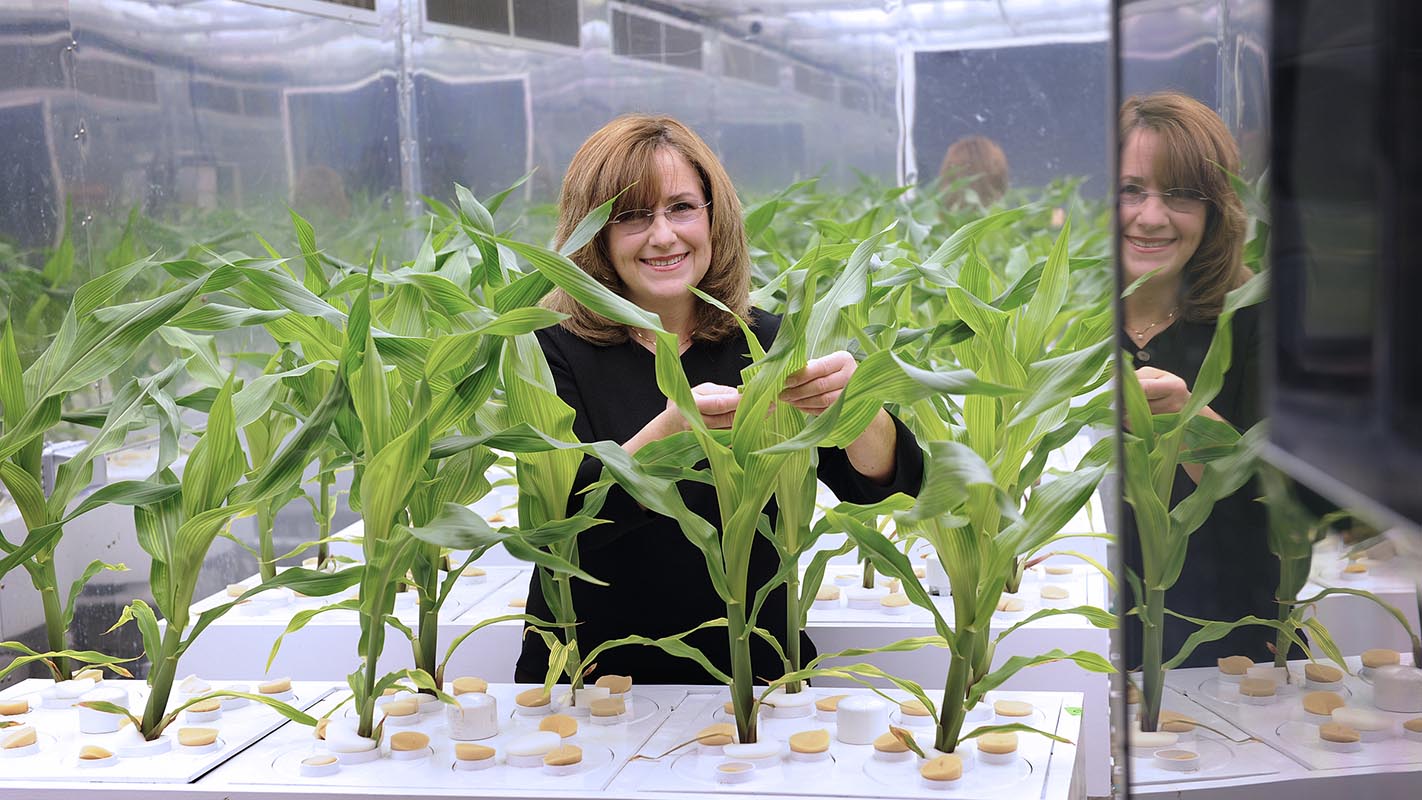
x,y
620,157
978,158
1197,152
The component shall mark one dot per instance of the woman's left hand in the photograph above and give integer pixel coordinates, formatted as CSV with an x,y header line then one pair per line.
x,y
816,387
1165,391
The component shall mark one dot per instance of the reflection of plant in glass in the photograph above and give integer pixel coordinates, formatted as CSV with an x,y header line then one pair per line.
x,y
1154,447
1293,532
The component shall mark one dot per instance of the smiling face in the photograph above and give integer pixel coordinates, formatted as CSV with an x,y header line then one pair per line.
x,y
1154,236
657,264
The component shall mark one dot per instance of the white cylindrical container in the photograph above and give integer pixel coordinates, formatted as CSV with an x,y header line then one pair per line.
x,y
136,747
319,766
476,717
527,751
936,577
860,719
349,747
98,763
763,752
19,752
858,597
93,721
730,772
1398,688
585,698
780,705
1177,759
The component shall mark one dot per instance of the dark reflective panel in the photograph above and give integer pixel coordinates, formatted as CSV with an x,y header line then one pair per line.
x,y
1243,573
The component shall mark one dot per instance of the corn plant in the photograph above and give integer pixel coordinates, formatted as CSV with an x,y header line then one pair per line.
x,y
978,509
745,463
1153,449
177,521
1293,532
91,343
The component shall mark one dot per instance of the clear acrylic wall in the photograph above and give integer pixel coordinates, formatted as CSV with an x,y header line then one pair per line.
x,y
136,126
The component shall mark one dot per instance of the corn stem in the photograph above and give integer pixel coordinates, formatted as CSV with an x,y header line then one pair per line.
x,y
742,678
47,581
427,636
266,522
323,523
1152,671
160,680
792,629
952,713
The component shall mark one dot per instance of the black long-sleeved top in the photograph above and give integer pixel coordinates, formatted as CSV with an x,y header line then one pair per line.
x,y
1229,570
658,585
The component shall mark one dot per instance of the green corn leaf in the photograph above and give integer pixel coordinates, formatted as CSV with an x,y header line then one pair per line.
x,y
497,201
1015,727
950,471
77,588
1217,359
957,245
142,615
672,645
12,381
882,378
1058,379
215,317
1383,604
1211,630
1093,662
1098,617
134,493
474,211
1047,301
314,278
217,461
459,640
104,288
888,560
1051,506
588,228
90,657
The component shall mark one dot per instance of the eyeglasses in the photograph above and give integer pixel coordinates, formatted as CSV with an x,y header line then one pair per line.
x,y
637,220
1185,201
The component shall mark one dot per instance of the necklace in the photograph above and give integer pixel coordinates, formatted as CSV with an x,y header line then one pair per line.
x,y
1140,334
652,343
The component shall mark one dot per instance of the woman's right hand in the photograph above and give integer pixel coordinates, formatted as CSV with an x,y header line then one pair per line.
x,y
716,403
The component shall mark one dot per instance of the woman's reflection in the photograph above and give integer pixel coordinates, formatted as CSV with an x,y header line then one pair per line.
x,y
1183,226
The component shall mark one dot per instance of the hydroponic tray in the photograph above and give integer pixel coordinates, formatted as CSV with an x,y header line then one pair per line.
x,y
1042,768
56,756
1288,728
277,759
238,644
1226,752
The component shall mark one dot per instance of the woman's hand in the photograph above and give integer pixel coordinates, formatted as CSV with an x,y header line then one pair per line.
x,y
716,403
816,387
1165,391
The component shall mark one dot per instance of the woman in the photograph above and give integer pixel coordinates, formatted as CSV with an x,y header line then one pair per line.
x,y
678,225
1183,225
980,160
